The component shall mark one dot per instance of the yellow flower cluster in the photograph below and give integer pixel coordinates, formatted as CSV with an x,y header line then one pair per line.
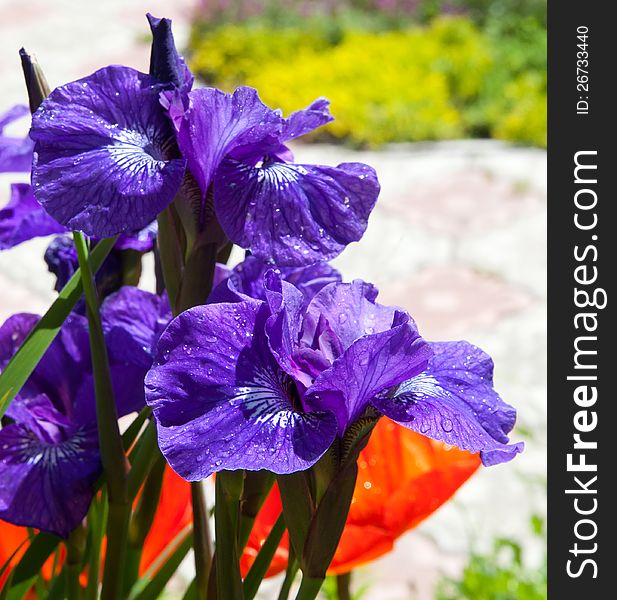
x,y
393,86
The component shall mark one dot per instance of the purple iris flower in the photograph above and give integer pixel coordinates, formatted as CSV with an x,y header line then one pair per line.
x,y
108,160
49,457
102,160
15,153
105,156
269,384
287,214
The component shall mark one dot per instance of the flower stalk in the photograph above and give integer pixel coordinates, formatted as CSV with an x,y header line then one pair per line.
x,y
110,441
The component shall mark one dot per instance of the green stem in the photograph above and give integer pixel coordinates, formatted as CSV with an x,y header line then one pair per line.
x,y
343,586
146,454
227,509
97,520
262,562
110,441
257,486
309,588
117,539
75,546
202,544
290,575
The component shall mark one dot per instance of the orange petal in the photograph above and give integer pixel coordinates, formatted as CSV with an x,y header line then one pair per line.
x,y
173,514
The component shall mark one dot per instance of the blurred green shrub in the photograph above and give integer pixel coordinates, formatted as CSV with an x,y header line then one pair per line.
x,y
500,575
449,79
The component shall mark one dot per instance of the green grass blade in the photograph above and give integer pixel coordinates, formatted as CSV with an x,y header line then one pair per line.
x,y
262,562
41,548
35,345
155,584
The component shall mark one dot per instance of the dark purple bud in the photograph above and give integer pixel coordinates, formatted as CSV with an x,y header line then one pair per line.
x,y
36,84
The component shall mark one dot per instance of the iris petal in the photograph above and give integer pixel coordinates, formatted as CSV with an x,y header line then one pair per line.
x,y
23,218
15,153
221,400
369,366
294,215
216,124
453,401
101,161
47,486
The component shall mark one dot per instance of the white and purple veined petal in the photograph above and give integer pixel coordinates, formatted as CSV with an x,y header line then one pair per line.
x,y
46,485
221,401
453,401
293,215
103,156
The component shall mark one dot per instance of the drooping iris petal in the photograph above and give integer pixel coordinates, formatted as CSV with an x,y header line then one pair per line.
x,y
453,400
369,366
43,485
23,218
216,124
294,215
101,161
15,153
222,402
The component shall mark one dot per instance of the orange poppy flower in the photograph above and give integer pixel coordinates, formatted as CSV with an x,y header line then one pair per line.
x,y
174,513
403,478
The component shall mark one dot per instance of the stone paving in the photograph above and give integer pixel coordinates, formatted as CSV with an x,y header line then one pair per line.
x,y
458,238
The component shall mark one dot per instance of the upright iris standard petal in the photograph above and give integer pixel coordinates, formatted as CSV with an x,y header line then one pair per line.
x,y
101,156
453,400
369,366
222,402
294,214
23,218
15,153
217,124
307,119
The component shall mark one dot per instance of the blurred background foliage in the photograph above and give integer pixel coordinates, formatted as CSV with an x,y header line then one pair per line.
x,y
395,70
504,574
